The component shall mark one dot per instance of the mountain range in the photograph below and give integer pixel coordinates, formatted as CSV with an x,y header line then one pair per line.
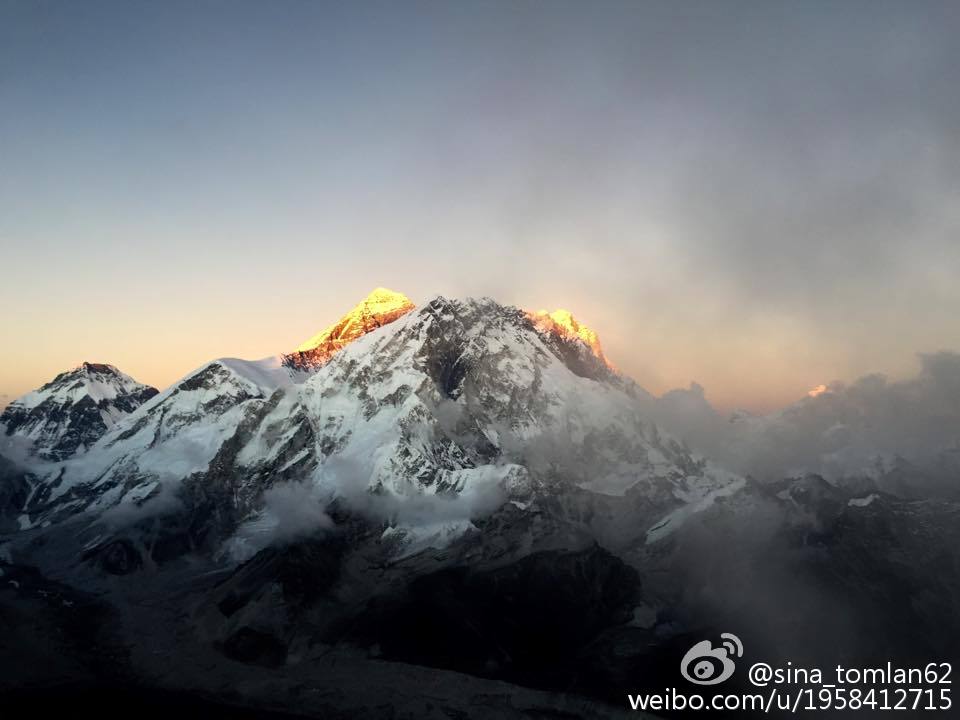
x,y
461,509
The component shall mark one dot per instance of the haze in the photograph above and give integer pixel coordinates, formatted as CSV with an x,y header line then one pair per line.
x,y
761,197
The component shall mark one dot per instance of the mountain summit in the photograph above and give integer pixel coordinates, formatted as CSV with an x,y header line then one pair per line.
x,y
563,324
72,411
380,307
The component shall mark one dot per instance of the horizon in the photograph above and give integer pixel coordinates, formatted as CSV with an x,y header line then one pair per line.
x,y
758,198
809,393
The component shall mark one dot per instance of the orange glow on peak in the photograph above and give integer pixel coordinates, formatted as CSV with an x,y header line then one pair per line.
x,y
817,391
563,323
379,308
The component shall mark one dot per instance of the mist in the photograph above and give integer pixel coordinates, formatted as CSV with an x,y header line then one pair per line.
x,y
350,481
871,427
291,511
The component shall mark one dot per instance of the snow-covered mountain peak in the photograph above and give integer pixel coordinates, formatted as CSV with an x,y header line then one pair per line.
x,y
71,412
380,307
463,402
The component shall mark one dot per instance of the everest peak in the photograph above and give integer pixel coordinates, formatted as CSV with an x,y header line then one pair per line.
x,y
380,307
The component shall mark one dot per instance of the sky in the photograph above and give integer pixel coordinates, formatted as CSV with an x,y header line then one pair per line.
x,y
757,196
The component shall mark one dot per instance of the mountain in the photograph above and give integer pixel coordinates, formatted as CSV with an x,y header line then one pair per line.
x,y
459,399
460,509
71,412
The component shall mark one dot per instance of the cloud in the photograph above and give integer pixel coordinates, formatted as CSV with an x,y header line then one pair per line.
x,y
416,508
291,510
872,426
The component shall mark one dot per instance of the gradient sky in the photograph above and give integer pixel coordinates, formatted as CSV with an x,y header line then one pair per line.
x,y
757,196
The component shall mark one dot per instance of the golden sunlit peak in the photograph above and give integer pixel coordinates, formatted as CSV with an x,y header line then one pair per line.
x,y
563,323
382,296
817,391
380,307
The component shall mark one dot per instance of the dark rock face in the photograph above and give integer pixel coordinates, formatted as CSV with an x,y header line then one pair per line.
x,y
526,622
54,631
15,487
119,557
878,579
304,572
248,645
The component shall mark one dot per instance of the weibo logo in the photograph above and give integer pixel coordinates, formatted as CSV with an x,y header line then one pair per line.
x,y
707,665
